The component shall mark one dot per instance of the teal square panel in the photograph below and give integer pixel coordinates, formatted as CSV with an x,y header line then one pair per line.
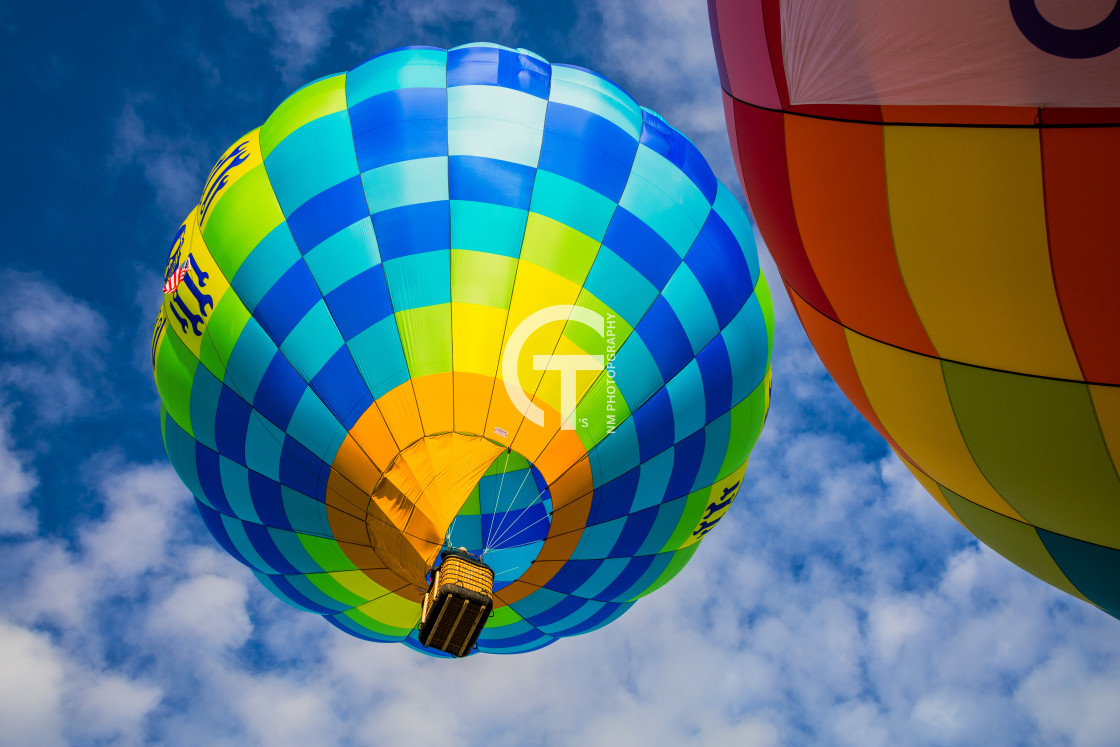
x,y
343,256
312,342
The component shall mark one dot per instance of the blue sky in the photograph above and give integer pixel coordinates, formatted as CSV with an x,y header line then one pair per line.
x,y
836,604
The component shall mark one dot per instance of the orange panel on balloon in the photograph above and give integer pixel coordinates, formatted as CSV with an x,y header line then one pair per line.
x,y
565,455
356,466
434,399
374,438
838,181
1081,170
398,408
472,401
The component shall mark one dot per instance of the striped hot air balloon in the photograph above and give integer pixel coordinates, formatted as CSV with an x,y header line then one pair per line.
x,y
937,183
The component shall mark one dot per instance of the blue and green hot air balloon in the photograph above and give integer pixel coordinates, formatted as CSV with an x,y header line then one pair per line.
x,y
468,299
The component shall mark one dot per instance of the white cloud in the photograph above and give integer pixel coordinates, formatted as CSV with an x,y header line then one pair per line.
x,y
48,697
1074,699
283,711
31,683
206,609
173,164
111,708
300,29
17,481
114,556
54,348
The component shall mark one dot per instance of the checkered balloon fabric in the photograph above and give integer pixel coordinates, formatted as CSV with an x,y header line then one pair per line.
x,y
463,297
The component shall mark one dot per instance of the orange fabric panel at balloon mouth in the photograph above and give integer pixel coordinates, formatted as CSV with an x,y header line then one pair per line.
x,y
472,402
837,178
357,472
567,490
761,141
371,435
831,345
345,493
423,490
564,462
434,399
401,415
1082,193
506,423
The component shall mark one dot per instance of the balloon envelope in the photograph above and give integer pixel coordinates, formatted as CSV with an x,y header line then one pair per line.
x,y
937,184
463,297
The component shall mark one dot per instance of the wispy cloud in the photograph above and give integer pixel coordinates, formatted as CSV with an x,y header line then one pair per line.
x,y
299,29
445,23
54,348
17,480
48,696
173,164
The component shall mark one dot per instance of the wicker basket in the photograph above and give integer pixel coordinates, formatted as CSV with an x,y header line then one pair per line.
x,y
457,604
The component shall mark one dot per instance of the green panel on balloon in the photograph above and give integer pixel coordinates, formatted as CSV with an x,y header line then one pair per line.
x,y
175,366
244,215
1037,441
224,328
1014,540
558,248
426,337
747,419
676,565
326,553
482,278
314,100
329,585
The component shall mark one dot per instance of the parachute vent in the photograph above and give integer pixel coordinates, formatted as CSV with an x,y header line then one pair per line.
x,y
458,602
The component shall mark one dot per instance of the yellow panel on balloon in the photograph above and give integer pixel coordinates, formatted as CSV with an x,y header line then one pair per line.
x,y
198,285
478,333
239,159
969,225
907,392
